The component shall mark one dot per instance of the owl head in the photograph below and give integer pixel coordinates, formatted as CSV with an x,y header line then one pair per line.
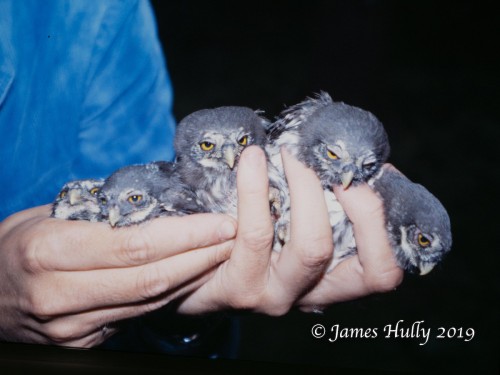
x,y
77,200
343,144
418,224
137,193
215,138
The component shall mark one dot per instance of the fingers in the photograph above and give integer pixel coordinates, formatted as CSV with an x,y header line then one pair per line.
x,y
251,255
86,329
80,245
365,209
310,248
98,289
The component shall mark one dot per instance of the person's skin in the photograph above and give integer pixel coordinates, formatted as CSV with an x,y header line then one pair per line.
x,y
258,279
373,269
63,281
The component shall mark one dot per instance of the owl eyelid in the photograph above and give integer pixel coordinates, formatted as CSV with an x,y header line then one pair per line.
x,y
332,155
424,240
136,198
206,145
243,140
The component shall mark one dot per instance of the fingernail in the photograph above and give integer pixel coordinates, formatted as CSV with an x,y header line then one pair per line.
x,y
227,230
254,156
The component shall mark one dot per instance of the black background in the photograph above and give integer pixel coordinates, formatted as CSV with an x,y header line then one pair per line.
x,y
427,71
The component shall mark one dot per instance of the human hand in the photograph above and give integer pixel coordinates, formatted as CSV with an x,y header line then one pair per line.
x,y
62,282
255,277
373,269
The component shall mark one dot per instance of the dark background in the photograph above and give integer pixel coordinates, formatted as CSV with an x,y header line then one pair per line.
x,y
426,70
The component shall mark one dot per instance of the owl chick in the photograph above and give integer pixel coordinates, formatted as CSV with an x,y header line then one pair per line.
x,y
418,225
137,193
344,145
77,200
208,145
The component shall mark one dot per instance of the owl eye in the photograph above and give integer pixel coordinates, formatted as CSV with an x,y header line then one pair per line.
x,y
423,241
243,140
63,193
135,198
332,155
94,191
369,165
206,146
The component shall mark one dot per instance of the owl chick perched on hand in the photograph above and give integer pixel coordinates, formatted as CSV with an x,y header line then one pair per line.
x,y
208,146
418,225
137,193
344,145
77,200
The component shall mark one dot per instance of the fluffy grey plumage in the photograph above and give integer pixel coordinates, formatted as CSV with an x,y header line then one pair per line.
x,y
137,193
77,200
418,225
346,145
208,145
343,144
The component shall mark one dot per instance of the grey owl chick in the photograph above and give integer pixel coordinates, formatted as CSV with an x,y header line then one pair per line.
x,y
137,193
77,200
418,225
344,145
208,146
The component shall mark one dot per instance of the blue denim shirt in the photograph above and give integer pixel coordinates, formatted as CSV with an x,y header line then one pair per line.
x,y
83,91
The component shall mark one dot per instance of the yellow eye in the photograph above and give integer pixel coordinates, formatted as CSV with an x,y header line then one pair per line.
x,y
243,140
206,146
423,241
135,198
94,191
63,193
332,155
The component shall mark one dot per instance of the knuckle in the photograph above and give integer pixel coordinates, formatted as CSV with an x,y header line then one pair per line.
x,y
316,252
30,256
42,308
151,282
61,333
278,311
138,248
258,238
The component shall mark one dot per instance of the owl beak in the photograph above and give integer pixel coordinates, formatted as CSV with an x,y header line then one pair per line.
x,y
114,216
347,179
74,197
229,156
426,268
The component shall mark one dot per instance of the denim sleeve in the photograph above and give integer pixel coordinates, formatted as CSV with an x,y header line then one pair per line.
x,y
84,90
126,116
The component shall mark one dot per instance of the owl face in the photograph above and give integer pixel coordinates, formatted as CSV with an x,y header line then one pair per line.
x,y
345,145
77,200
129,195
220,150
421,250
338,164
215,138
126,207
418,225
